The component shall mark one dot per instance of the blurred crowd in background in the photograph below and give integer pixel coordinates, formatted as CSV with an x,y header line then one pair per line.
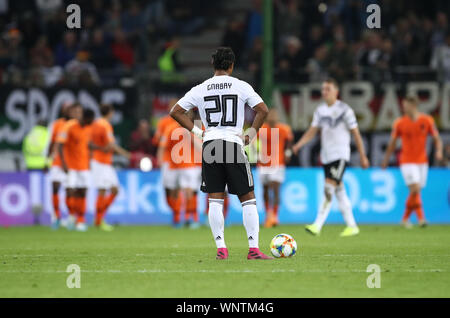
x,y
115,38
316,39
313,39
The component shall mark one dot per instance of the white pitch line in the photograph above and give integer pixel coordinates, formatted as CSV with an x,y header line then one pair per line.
x,y
155,271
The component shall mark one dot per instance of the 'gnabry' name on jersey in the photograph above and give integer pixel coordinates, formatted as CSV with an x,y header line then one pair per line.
x,y
220,101
335,123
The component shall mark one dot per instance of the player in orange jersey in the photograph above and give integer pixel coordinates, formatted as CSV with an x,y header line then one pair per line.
x,y
163,157
103,145
74,153
75,112
184,171
413,129
192,175
274,139
56,173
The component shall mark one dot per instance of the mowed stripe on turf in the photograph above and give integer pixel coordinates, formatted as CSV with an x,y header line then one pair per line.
x,y
153,271
157,261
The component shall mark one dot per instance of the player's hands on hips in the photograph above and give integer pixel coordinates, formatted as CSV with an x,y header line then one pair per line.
x,y
198,132
365,162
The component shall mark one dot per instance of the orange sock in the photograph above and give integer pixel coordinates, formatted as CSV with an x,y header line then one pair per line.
x,y
419,209
267,206
275,211
191,208
80,207
414,202
55,200
268,211
175,205
177,209
100,209
170,203
70,205
408,209
109,200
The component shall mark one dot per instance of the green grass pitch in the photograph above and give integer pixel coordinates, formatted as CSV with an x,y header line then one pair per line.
x,y
158,261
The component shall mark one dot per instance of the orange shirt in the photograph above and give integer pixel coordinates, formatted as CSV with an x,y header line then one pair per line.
x,y
56,130
163,123
102,134
272,142
75,139
414,137
178,143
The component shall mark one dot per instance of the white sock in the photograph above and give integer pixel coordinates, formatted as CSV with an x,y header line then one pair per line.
x,y
345,206
251,222
325,207
216,221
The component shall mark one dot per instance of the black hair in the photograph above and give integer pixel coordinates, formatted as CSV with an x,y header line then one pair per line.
x,y
76,104
223,58
88,114
105,109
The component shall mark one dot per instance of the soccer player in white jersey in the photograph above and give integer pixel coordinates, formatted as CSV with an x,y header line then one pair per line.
x,y
336,120
220,101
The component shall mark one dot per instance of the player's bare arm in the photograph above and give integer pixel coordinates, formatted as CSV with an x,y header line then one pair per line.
x,y
93,146
61,155
439,154
364,161
160,154
120,151
389,150
307,137
51,152
261,114
179,114
114,147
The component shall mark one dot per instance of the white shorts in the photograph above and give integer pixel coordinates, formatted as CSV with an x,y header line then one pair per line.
x,y
271,174
78,179
165,175
104,175
187,178
190,178
57,174
414,173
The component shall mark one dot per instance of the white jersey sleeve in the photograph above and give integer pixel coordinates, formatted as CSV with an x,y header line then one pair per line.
x,y
350,119
315,119
189,100
250,97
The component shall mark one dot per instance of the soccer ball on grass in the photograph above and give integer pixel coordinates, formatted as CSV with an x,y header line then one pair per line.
x,y
283,245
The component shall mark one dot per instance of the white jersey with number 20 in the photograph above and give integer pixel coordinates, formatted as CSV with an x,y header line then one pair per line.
x,y
221,104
